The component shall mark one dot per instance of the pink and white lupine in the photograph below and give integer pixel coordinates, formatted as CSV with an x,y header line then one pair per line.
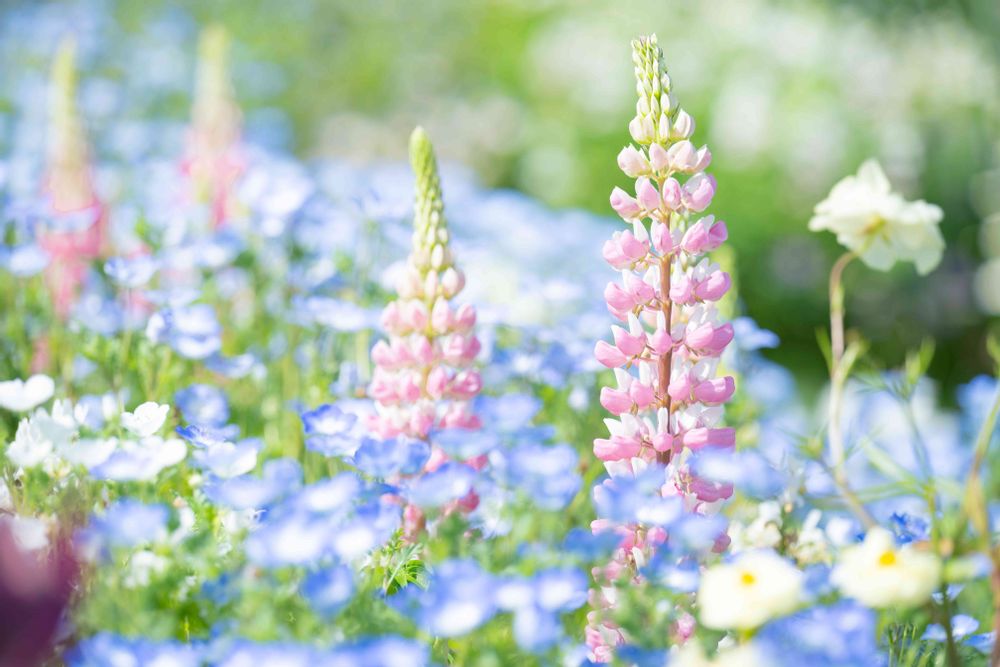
x,y
424,377
69,187
667,399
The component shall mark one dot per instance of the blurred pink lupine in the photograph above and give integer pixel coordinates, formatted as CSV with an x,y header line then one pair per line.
x,y
424,377
77,236
667,400
213,159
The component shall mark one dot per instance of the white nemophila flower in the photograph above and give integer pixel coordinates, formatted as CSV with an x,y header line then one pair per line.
x,y
23,395
747,592
879,574
146,419
39,435
878,224
87,452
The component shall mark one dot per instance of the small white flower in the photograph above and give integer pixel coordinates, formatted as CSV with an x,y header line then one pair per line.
x,y
23,395
146,419
749,591
37,436
878,224
879,575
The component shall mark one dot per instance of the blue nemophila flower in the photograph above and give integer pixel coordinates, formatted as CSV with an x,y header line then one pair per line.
x,y
229,459
976,398
962,629
459,598
140,460
749,337
628,500
131,272
582,543
278,478
99,314
234,367
333,430
329,589
842,635
747,470
385,651
334,313
105,649
206,436
192,331
129,523
679,574
463,443
393,456
217,250
327,420
909,528
438,488
24,260
245,653
696,533
508,412
545,473
341,517
537,602
640,657
203,404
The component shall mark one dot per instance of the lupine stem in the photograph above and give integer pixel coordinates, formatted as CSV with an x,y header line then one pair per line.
x,y
666,360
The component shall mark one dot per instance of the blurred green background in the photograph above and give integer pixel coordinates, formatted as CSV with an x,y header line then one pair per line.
x,y
791,96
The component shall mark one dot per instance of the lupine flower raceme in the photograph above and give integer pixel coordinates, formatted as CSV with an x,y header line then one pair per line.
x,y
667,399
75,234
424,377
214,157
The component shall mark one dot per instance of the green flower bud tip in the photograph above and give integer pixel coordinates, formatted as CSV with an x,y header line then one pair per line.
x,y
428,211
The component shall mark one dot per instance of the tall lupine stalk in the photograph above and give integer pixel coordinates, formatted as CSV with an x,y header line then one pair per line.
x,y
667,401
77,235
214,158
424,377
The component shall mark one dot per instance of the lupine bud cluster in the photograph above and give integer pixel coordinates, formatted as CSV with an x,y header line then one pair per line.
x,y
76,234
214,159
423,376
667,400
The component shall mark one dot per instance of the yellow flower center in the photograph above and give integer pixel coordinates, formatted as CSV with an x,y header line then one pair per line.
x,y
747,579
887,559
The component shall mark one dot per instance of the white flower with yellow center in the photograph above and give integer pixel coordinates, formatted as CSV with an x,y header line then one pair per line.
x,y
878,224
879,574
749,591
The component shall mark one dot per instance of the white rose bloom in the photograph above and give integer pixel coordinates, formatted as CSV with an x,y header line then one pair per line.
x,y
146,419
749,591
21,395
879,575
878,224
